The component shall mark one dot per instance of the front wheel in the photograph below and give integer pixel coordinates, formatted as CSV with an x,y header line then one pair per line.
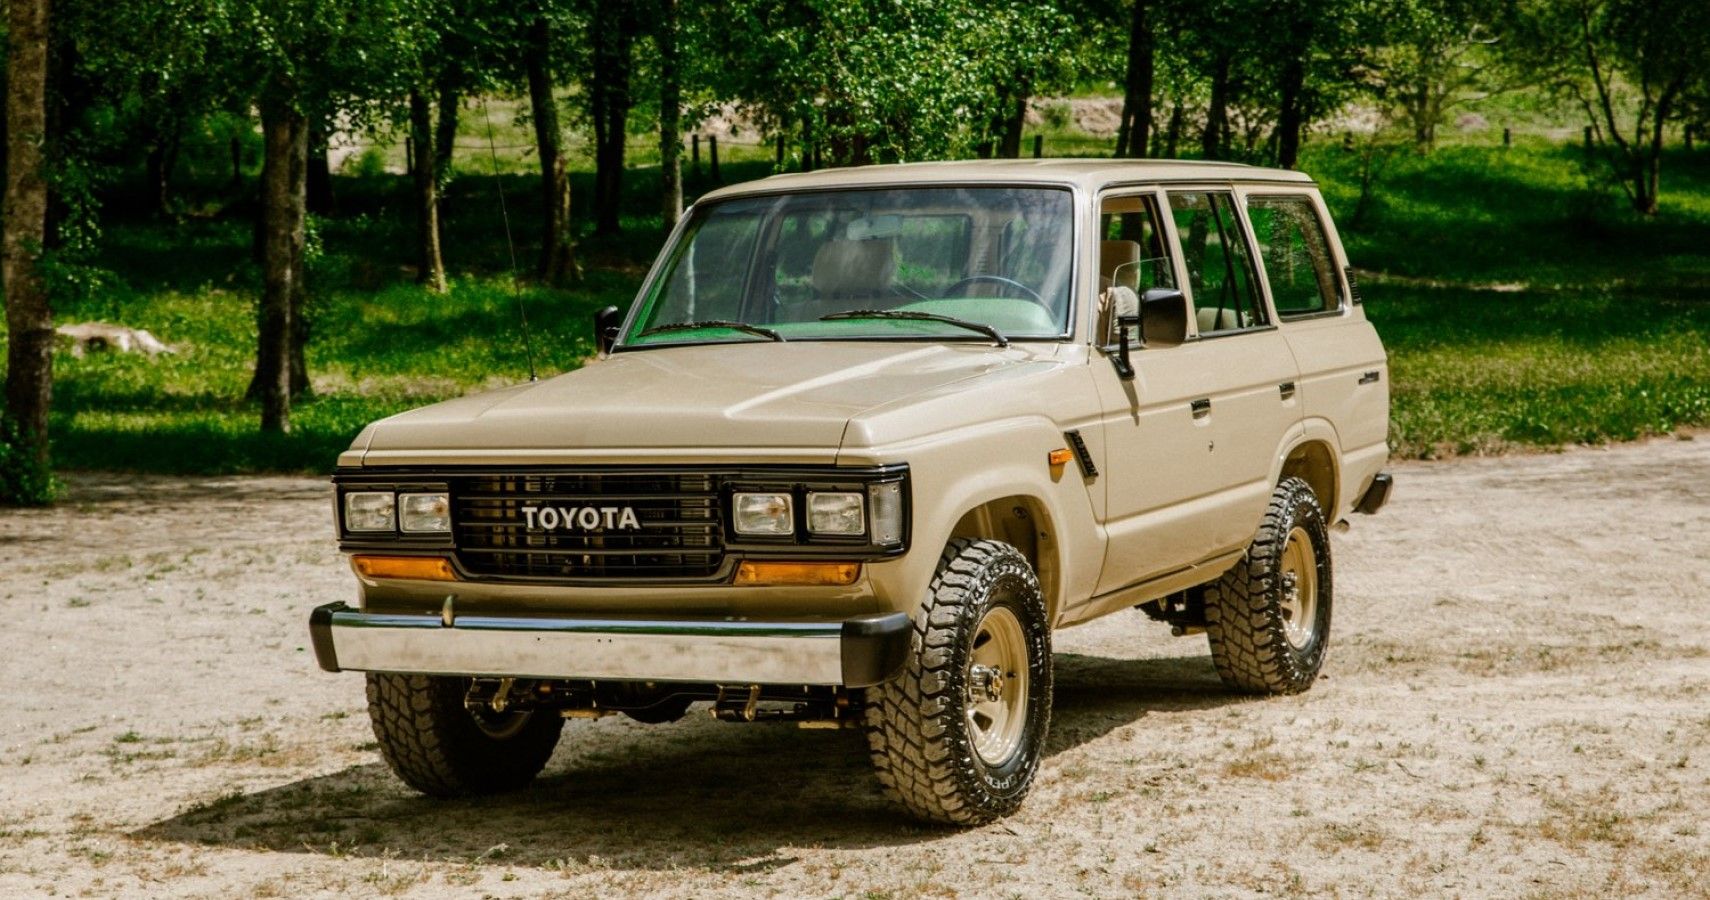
x,y
958,736
1268,618
441,748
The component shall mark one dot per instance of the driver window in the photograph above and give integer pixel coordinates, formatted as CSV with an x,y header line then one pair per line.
x,y
1133,258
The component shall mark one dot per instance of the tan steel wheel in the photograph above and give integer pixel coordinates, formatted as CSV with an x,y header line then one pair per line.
x,y
1299,600
997,687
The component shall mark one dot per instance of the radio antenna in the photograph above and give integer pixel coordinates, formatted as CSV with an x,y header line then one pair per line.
x,y
510,244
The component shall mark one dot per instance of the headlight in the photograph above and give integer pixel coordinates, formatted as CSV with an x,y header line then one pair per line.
x,y
836,513
369,510
424,513
768,514
887,512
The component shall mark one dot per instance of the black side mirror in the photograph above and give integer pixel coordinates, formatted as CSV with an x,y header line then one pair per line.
x,y
1165,312
606,324
1125,368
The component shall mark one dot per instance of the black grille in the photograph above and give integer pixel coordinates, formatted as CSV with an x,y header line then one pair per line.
x,y
679,537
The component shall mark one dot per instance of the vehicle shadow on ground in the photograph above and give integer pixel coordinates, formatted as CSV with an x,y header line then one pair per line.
x,y
696,793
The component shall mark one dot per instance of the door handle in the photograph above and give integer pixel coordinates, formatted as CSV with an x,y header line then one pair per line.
x,y
1201,407
1369,377
1286,389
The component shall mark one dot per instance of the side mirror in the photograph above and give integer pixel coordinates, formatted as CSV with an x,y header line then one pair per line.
x,y
606,324
1165,313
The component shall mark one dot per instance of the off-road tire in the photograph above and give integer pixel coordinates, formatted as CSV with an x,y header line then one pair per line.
x,y
917,724
436,746
1245,614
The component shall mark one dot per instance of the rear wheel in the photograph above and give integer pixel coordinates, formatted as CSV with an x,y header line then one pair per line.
x,y
441,748
1268,618
957,737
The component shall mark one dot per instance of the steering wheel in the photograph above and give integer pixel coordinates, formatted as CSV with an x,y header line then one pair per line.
x,y
996,279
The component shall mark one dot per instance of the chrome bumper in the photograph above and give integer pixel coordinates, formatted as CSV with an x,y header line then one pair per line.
x,y
857,652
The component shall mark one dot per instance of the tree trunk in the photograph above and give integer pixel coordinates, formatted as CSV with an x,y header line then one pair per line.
x,y
29,317
1211,139
1135,131
670,117
1173,135
430,266
612,34
162,159
445,136
557,251
1290,116
284,199
1013,123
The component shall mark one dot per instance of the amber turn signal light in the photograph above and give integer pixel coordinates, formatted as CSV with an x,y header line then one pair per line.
x,y
1061,456
421,568
820,573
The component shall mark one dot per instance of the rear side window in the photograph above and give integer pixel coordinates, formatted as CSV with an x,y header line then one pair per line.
x,y
1219,266
1296,254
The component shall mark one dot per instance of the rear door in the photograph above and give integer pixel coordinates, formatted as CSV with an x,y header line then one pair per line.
x,y
1344,379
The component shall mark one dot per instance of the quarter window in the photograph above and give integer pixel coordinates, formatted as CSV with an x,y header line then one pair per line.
x,y
1219,266
1296,254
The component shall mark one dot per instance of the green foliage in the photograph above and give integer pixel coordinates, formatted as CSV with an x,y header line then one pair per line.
x,y
1520,310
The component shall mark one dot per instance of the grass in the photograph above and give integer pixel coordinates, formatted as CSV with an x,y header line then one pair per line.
x,y
1522,306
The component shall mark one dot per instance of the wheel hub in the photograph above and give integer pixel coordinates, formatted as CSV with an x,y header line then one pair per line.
x,y
997,687
1298,590
985,684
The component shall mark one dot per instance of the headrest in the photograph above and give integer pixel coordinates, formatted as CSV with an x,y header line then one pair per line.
x,y
844,268
1112,254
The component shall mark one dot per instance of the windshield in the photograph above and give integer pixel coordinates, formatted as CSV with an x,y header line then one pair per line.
x,y
974,264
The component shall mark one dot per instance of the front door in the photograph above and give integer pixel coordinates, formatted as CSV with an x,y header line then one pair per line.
x,y
1192,437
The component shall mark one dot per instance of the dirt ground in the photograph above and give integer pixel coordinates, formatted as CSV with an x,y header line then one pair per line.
x,y
1517,703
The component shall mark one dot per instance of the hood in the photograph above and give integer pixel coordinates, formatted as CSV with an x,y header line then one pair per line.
x,y
771,400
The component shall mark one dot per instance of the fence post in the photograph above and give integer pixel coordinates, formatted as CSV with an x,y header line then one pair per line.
x,y
1507,137
779,165
1588,152
695,154
712,156
1039,146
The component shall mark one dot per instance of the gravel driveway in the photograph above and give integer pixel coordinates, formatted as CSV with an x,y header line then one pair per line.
x,y
1517,703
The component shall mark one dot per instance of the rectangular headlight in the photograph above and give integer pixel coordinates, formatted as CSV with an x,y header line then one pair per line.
x,y
424,513
763,514
831,512
887,511
369,511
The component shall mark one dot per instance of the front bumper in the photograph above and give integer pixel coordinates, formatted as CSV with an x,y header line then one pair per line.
x,y
857,652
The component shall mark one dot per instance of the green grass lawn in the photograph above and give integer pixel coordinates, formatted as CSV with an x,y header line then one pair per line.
x,y
1521,308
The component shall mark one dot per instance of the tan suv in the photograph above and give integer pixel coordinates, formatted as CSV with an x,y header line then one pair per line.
x,y
864,440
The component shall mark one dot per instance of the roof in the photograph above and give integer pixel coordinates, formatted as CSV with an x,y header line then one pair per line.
x,y
1089,174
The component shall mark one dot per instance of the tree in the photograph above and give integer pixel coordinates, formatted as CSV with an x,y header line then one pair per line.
x,y
557,246
1629,64
1134,132
665,39
612,30
1430,56
305,63
29,315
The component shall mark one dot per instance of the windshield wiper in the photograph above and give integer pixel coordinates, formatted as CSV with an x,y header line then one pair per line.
x,y
766,333
918,316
